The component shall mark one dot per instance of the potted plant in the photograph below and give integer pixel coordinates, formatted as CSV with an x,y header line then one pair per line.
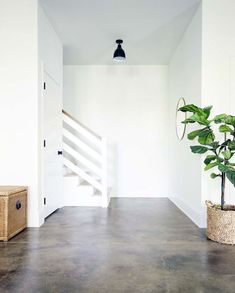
x,y
216,139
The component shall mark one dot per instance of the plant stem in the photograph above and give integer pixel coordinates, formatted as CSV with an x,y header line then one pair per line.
x,y
223,179
222,190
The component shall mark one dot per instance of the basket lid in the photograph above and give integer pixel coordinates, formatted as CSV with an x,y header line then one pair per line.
x,y
8,190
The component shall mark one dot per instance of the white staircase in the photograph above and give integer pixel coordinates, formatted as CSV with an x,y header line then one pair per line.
x,y
85,165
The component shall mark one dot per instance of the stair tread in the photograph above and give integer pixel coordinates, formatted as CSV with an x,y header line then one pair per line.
x,y
84,183
96,195
71,175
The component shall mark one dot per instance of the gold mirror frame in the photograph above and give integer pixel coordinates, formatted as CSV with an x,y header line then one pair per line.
x,y
180,136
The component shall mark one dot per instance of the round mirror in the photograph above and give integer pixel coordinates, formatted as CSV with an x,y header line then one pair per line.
x,y
180,116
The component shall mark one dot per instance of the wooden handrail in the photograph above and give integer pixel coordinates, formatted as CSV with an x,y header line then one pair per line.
x,y
82,125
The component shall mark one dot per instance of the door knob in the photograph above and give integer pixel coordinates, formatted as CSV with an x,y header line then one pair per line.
x,y
60,153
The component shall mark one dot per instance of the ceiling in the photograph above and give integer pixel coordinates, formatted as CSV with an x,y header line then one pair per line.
x,y
151,29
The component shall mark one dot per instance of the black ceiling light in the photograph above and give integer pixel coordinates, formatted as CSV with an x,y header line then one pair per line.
x,y
119,54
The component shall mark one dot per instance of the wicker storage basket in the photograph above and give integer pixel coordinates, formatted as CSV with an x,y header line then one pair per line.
x,y
13,211
220,224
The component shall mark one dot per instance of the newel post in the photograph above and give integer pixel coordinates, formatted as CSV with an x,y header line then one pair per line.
x,y
104,179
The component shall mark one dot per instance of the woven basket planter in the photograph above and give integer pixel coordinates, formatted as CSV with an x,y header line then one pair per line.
x,y
221,224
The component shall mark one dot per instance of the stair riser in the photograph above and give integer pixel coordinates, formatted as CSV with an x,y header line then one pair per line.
x,y
79,195
73,180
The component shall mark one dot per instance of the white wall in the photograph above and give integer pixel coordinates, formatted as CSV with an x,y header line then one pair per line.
x,y
50,48
185,81
202,70
128,104
27,38
218,74
19,99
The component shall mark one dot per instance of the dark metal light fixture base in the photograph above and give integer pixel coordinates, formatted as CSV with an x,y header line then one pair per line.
x,y
119,54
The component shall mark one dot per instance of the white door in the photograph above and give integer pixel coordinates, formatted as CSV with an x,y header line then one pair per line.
x,y
52,134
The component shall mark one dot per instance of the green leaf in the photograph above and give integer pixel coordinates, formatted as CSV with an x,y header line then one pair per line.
x,y
215,145
225,168
225,128
231,145
199,115
230,120
198,149
209,159
219,160
193,134
213,175
224,145
206,137
220,118
227,154
211,165
231,177
226,142
200,118
189,108
188,120
207,111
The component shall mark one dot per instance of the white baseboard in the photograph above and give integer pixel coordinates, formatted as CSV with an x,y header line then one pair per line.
x,y
198,218
137,196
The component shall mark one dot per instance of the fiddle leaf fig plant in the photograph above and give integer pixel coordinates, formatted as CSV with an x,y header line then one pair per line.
x,y
216,140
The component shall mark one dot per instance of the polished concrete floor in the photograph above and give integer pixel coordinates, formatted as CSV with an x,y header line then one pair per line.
x,y
137,245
